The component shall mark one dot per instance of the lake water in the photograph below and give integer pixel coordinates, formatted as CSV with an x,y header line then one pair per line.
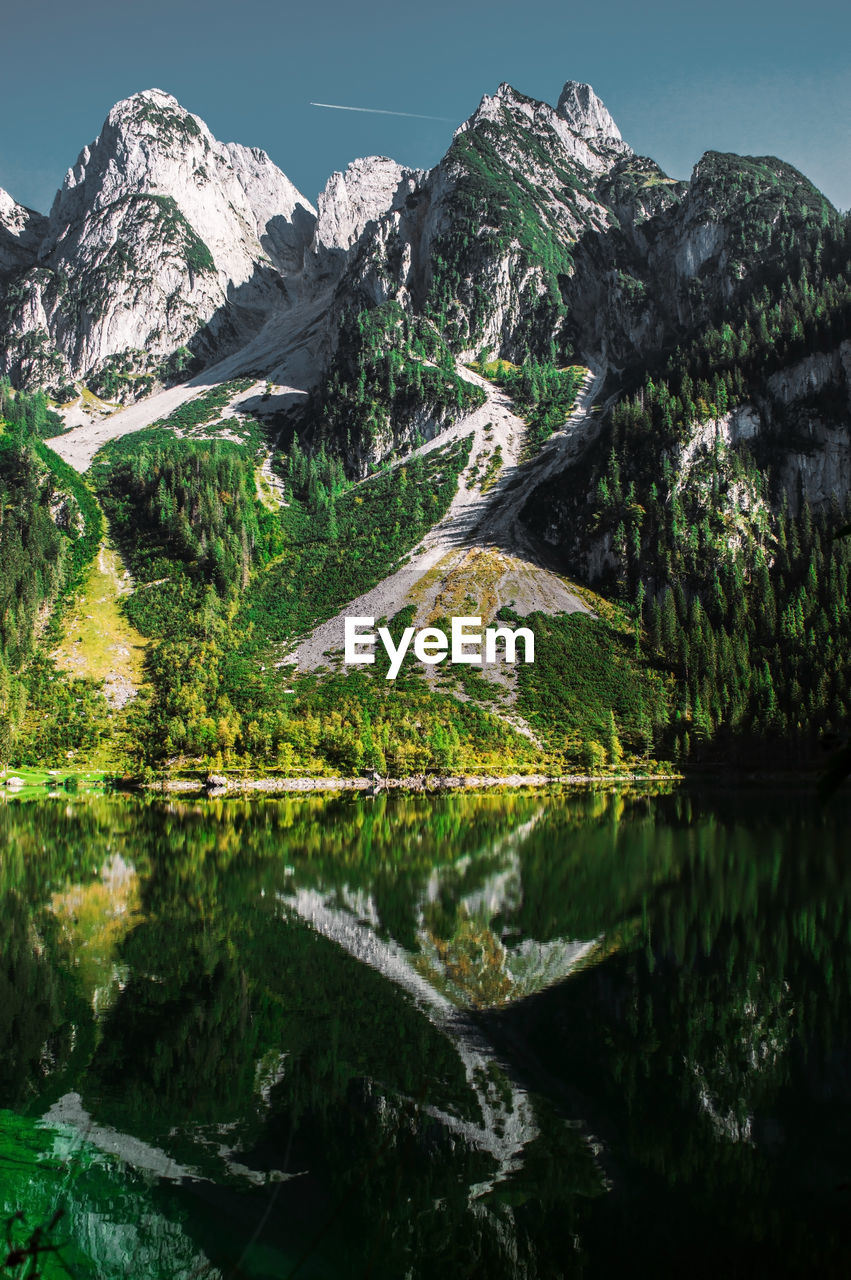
x,y
523,1035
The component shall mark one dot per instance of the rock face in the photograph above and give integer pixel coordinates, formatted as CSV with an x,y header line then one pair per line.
x,y
21,233
797,425
369,188
677,254
481,241
539,226
158,231
587,133
539,234
811,402
588,118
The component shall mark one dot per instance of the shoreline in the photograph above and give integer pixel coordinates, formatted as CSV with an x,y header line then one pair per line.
x,y
418,783
218,786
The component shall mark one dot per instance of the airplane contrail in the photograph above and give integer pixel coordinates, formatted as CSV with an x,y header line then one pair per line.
x,y
379,111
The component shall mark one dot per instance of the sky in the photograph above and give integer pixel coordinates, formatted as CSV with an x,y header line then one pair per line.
x,y
679,78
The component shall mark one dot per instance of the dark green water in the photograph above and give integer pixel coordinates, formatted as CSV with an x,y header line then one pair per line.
x,y
463,1036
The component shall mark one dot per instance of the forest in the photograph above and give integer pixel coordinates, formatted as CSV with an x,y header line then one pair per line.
x,y
225,584
391,376
736,586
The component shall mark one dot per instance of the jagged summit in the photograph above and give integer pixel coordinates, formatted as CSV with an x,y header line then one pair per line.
x,y
134,103
506,98
587,131
150,143
588,116
13,216
369,188
158,234
163,237
147,95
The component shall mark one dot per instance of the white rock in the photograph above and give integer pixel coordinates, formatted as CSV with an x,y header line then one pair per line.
x,y
369,188
21,232
132,227
587,132
587,116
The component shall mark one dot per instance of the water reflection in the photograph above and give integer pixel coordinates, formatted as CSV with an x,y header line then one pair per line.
x,y
506,1035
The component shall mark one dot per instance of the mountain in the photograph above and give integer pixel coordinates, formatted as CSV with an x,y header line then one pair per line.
x,y
540,380
482,243
159,236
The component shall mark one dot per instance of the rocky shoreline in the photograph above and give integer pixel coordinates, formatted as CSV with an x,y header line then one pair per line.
x,y
218,785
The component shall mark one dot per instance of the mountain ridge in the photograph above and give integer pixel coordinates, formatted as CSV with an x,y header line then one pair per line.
x,y
151,151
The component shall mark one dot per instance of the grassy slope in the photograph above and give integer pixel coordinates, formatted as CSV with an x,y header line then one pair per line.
x,y
98,641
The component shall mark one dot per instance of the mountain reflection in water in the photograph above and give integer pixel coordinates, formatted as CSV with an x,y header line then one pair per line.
x,y
500,1035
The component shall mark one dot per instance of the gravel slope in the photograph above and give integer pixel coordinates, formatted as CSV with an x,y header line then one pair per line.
x,y
476,521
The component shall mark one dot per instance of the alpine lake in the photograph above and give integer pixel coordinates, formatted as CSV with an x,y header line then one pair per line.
x,y
507,1034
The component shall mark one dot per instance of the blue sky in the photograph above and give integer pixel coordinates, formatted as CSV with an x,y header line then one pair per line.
x,y
679,78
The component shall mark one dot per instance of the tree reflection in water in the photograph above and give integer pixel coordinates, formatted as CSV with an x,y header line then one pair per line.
x,y
513,1035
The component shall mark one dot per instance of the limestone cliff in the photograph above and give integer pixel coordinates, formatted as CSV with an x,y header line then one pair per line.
x,y
21,232
158,233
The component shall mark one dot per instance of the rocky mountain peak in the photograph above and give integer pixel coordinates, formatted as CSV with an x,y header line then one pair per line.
x,y
584,127
139,136
492,106
588,116
147,109
369,188
14,217
21,231
162,230
136,102
150,145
